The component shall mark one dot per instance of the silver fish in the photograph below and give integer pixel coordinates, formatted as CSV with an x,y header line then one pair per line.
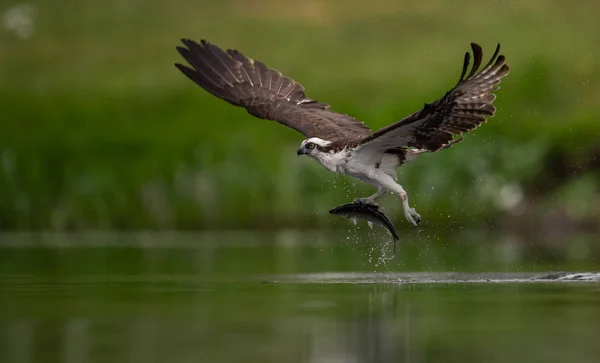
x,y
368,212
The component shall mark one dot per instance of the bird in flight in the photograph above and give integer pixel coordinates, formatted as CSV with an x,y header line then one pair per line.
x,y
337,141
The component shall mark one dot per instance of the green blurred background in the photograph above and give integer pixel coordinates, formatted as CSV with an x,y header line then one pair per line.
x,y
98,129
144,220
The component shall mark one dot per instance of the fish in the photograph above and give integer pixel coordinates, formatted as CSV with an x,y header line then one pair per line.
x,y
370,213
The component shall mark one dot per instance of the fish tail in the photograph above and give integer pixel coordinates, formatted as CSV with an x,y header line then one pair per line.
x,y
396,241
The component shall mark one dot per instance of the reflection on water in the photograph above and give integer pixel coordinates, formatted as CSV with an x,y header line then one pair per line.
x,y
302,323
213,304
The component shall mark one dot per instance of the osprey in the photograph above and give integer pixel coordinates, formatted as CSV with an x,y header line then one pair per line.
x,y
339,142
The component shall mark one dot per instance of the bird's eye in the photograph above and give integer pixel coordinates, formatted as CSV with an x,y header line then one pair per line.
x,y
310,145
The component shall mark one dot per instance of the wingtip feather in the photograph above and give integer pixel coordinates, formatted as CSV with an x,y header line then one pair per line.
x,y
183,51
477,57
476,48
466,61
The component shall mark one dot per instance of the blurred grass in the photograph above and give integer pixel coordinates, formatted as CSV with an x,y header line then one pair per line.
x,y
99,130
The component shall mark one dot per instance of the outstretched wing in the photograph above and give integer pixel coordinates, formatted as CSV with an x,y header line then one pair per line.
x,y
462,109
264,92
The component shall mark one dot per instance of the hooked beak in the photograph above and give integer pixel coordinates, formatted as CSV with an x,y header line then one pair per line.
x,y
300,151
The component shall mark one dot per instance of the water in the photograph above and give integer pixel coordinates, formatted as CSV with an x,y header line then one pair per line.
x,y
287,298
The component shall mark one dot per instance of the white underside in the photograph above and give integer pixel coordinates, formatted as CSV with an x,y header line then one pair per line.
x,y
376,170
354,164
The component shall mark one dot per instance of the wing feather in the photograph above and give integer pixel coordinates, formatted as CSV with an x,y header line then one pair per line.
x,y
264,92
462,109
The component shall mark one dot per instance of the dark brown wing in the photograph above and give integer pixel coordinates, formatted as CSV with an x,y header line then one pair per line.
x,y
462,109
264,92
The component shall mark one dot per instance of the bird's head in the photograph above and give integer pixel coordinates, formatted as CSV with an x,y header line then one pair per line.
x,y
312,147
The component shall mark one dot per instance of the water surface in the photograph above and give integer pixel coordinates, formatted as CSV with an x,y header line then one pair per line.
x,y
180,298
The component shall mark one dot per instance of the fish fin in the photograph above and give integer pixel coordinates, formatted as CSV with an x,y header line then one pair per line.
x,y
370,224
353,220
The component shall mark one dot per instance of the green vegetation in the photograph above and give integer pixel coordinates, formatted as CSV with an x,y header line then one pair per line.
x,y
99,130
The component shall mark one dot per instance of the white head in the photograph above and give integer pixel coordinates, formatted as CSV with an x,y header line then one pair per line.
x,y
312,147
321,151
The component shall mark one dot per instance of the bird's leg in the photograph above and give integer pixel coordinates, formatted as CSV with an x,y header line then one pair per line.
x,y
371,200
411,215
390,184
